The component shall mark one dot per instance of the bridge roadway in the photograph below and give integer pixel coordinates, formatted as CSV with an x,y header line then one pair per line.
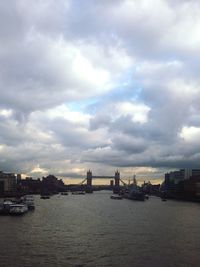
x,y
103,177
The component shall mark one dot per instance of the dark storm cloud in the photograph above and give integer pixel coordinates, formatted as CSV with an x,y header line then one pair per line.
x,y
129,144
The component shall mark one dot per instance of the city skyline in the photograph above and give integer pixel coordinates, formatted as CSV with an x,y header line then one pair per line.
x,y
99,85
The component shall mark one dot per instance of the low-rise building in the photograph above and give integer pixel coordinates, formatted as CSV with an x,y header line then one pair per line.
x,y
7,182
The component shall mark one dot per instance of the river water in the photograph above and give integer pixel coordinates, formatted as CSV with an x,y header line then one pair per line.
x,y
94,230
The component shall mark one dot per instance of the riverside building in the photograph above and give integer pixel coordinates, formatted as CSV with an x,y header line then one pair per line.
x,y
184,183
182,174
8,182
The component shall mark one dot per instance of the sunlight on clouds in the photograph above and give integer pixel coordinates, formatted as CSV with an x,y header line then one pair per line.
x,y
63,111
190,134
67,65
75,63
186,20
88,73
38,169
113,59
78,170
5,112
138,112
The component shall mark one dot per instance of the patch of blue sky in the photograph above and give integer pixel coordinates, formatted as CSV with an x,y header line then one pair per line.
x,y
126,89
123,93
82,105
118,94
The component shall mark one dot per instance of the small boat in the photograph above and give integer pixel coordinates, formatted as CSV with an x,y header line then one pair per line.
x,y
18,209
78,193
164,199
116,197
44,197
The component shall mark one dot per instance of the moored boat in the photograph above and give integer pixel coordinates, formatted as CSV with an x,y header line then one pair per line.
x,y
78,193
134,194
18,209
44,197
29,201
9,207
116,197
64,193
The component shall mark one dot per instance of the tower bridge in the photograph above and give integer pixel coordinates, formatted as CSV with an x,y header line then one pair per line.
x,y
87,182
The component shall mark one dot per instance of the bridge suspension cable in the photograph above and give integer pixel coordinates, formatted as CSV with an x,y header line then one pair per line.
x,y
123,182
83,181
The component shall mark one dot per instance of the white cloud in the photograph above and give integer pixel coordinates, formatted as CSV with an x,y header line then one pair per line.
x,y
183,31
62,111
37,170
190,134
6,112
138,112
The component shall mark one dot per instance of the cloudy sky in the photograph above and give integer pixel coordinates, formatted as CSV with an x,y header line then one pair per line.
x,y
99,84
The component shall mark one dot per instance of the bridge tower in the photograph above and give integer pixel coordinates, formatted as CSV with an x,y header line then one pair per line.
x,y
117,178
89,178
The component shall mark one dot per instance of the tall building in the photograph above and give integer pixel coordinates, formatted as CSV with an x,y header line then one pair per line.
x,y
19,177
187,173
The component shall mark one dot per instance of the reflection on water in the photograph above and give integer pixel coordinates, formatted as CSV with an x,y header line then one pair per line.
x,y
94,230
